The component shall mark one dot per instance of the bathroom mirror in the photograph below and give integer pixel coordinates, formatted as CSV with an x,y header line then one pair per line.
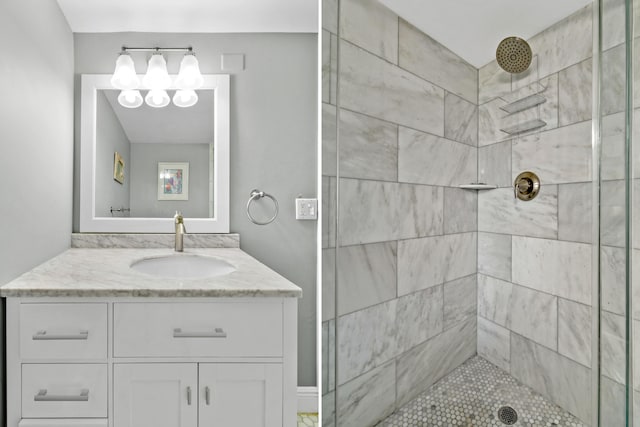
x,y
140,165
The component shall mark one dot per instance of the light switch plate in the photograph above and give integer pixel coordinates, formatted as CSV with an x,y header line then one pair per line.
x,y
307,209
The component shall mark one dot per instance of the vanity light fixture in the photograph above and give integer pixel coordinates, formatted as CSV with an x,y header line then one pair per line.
x,y
125,77
130,98
185,98
189,77
157,98
157,79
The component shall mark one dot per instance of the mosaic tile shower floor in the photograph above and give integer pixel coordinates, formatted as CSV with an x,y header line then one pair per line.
x,y
472,394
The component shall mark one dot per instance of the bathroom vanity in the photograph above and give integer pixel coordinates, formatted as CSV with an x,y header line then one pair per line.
x,y
94,342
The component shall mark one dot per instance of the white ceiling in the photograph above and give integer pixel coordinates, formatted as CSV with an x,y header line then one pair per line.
x,y
473,28
167,125
192,16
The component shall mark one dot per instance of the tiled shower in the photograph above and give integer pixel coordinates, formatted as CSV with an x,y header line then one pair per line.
x,y
420,275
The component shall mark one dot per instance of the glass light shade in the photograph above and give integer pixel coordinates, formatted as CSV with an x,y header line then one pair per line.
x,y
130,98
157,98
185,98
124,77
157,76
189,76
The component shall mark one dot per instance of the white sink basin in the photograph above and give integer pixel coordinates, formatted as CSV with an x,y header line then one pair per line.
x,y
183,266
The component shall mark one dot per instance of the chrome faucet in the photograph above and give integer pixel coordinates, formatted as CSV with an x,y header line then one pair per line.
x,y
180,231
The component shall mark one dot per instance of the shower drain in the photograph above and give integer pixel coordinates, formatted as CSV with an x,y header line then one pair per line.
x,y
507,415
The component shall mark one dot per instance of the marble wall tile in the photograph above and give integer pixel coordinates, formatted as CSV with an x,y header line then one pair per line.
x,y
613,23
358,17
612,403
329,140
326,66
425,364
494,343
612,213
636,355
613,347
419,211
613,80
328,284
329,192
574,331
612,273
368,147
500,212
494,164
431,261
556,267
552,375
419,317
460,300
367,399
366,339
525,311
494,297
368,211
489,122
460,120
333,92
330,15
328,356
460,210
557,156
494,255
612,143
430,60
372,86
366,276
574,212
429,159
329,410
494,82
374,211
575,93
566,43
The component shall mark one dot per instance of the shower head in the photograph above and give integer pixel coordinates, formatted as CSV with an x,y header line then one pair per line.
x,y
513,55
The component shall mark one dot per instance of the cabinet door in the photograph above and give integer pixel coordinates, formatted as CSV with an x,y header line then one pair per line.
x,y
155,395
238,394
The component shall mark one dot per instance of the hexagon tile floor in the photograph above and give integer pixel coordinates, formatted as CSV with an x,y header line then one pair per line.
x,y
307,420
472,395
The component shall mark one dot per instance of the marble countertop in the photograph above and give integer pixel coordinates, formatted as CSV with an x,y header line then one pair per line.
x,y
107,273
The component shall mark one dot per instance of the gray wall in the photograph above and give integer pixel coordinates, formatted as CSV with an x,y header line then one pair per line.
x,y
406,309
110,138
36,136
144,180
273,144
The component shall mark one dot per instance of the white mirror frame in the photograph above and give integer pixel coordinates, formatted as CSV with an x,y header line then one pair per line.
x,y
91,83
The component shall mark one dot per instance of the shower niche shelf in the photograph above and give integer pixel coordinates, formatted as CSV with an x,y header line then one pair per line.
x,y
478,186
524,127
524,103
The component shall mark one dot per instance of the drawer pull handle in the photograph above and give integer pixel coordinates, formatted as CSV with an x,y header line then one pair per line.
x,y
42,396
43,335
218,333
188,395
207,395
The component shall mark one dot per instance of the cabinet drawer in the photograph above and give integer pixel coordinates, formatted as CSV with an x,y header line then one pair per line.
x,y
217,329
63,331
64,391
56,422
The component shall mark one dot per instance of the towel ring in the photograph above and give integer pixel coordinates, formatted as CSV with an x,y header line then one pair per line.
x,y
255,195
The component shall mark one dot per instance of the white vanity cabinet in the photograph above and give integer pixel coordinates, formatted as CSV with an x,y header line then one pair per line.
x,y
151,362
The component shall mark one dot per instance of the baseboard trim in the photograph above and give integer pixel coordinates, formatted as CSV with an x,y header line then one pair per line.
x,y
308,400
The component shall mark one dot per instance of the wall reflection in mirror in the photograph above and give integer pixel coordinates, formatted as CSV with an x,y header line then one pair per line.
x,y
146,140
